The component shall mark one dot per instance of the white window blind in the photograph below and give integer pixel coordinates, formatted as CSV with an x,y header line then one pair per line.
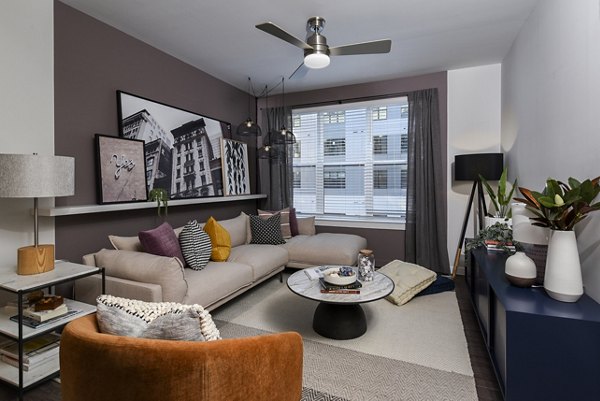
x,y
350,159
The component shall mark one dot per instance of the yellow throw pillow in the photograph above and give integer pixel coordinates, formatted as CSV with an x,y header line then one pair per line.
x,y
220,240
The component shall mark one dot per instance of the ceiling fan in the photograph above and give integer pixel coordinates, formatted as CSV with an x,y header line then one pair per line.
x,y
316,50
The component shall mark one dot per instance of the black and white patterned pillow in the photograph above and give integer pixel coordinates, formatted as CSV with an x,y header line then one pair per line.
x,y
266,231
195,245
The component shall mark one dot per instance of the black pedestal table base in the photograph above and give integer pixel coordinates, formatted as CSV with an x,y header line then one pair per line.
x,y
340,322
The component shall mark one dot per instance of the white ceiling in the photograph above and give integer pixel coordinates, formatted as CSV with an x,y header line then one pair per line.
x,y
219,37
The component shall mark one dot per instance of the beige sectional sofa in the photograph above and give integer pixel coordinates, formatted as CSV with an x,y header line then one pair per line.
x,y
131,273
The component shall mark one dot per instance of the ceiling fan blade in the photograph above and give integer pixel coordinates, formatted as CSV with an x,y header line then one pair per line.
x,y
299,72
376,46
276,31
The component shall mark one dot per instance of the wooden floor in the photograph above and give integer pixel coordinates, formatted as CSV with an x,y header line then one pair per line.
x,y
485,380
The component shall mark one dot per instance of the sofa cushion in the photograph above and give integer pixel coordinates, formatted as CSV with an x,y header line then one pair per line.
x,y
216,281
161,320
293,222
147,268
284,215
220,240
410,279
195,245
161,241
237,229
122,243
263,259
266,231
306,225
324,249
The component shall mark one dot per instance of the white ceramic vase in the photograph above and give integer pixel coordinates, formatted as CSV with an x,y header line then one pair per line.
x,y
562,280
520,270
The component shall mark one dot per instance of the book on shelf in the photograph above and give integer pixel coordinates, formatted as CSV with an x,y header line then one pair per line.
x,y
332,287
29,322
499,248
47,356
45,315
35,350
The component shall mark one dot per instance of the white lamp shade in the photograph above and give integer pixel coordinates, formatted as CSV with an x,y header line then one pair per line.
x,y
36,176
316,60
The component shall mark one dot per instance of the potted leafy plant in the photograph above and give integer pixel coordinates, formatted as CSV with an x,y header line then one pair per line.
x,y
500,199
497,237
560,206
161,197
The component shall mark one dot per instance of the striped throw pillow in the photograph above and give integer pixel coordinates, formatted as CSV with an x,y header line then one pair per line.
x,y
286,231
195,245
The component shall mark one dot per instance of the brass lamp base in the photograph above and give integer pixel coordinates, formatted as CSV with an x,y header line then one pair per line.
x,y
35,259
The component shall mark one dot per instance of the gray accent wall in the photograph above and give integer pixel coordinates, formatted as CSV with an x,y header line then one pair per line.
x,y
91,62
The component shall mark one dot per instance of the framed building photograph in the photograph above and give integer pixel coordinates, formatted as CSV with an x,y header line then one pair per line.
x,y
120,169
236,179
182,148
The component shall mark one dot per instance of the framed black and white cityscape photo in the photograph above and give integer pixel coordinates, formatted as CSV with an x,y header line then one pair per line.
x,y
182,149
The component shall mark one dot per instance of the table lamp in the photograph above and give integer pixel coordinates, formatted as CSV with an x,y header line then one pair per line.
x,y
469,167
35,176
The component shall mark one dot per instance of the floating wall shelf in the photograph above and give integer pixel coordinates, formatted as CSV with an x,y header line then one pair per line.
x,y
87,209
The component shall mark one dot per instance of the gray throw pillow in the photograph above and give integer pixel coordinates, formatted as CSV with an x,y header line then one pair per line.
x,y
195,245
159,320
266,231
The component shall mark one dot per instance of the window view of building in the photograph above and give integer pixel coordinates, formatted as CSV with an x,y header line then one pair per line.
x,y
350,159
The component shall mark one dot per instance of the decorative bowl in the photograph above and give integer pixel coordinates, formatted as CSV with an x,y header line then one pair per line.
x,y
332,276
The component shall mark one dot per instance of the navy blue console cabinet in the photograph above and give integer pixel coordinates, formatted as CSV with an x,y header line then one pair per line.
x,y
541,349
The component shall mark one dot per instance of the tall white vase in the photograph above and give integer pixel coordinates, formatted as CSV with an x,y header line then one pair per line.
x,y
562,280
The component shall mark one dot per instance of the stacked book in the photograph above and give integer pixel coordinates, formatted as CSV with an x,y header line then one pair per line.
x,y
497,246
327,288
44,312
37,352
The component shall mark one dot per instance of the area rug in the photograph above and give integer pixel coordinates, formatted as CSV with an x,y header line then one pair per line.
x,y
413,352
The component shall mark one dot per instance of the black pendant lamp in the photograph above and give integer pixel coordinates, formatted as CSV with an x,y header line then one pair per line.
x,y
283,135
249,127
267,151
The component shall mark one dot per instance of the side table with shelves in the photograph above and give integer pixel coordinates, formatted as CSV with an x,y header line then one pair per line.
x,y
540,348
10,281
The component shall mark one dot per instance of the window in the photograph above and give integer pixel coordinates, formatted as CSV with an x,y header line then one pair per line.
x,y
150,162
353,159
380,145
297,121
335,147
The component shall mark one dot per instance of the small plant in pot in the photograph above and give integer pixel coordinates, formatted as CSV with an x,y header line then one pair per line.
x,y
500,199
161,197
497,237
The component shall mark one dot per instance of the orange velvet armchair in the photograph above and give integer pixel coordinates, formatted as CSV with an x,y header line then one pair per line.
x,y
103,367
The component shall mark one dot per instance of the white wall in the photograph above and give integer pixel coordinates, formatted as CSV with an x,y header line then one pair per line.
x,y
551,107
26,110
473,127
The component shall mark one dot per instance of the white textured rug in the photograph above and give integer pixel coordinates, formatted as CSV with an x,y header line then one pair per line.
x,y
413,352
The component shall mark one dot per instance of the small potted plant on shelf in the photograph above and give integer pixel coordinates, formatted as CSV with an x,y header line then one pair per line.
x,y
560,206
495,238
160,196
500,199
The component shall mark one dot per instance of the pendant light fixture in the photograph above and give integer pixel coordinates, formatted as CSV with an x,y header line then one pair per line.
x,y
249,127
284,136
267,151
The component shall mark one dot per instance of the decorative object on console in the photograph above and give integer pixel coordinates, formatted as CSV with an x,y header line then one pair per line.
x,y
560,206
121,170
195,245
409,280
35,176
161,241
236,173
366,265
471,167
497,237
286,231
249,127
159,320
266,231
520,270
161,197
500,199
179,144
220,240
533,240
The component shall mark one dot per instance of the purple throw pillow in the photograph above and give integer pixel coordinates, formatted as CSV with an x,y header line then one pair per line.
x,y
161,241
293,222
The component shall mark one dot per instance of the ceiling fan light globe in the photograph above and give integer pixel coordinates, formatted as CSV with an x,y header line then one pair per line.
x,y
316,60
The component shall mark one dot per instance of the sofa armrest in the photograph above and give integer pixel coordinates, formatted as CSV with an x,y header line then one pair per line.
x,y
87,289
145,268
108,367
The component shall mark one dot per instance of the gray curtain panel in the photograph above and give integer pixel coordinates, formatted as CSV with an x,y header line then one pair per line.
x,y
276,175
426,227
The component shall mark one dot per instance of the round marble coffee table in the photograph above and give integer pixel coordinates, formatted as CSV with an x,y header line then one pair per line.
x,y
340,316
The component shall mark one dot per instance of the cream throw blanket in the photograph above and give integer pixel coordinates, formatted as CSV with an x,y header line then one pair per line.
x,y
410,279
